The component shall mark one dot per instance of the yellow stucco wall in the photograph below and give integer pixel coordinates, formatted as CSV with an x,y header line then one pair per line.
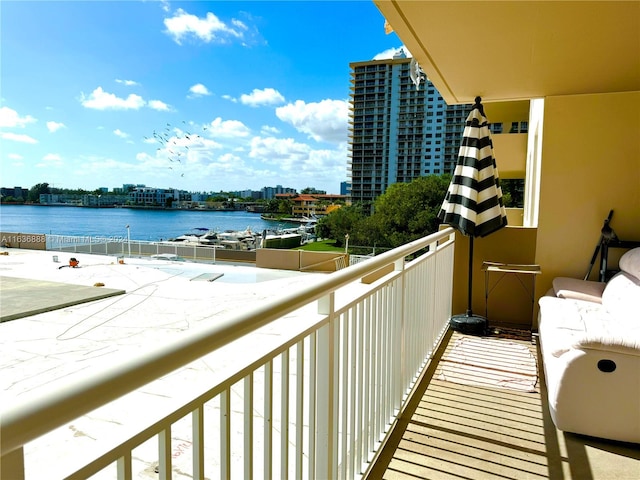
x,y
509,299
590,165
285,259
31,241
510,150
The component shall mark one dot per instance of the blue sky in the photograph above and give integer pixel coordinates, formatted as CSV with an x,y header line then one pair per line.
x,y
200,96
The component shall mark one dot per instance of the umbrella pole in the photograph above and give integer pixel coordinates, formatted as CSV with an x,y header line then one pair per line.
x,y
469,289
468,322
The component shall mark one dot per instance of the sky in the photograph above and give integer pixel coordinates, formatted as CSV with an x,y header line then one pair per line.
x,y
199,96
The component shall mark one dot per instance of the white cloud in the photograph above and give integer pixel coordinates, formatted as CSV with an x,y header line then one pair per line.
x,y
52,157
326,120
269,130
230,98
183,147
208,29
10,118
50,160
101,100
298,163
199,89
227,128
159,105
55,126
230,159
280,151
266,96
128,83
15,156
391,52
17,137
119,133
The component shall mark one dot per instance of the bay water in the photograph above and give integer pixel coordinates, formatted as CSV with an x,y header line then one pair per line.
x,y
148,225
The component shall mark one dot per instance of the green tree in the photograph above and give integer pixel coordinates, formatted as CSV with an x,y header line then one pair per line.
x,y
36,190
272,205
407,211
340,222
285,206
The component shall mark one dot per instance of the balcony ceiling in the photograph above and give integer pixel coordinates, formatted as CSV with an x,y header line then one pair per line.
x,y
519,50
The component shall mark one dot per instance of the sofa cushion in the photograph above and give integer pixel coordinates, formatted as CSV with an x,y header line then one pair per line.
x,y
621,297
563,322
567,324
565,287
630,262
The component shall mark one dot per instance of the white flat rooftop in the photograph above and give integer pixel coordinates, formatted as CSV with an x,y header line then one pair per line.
x,y
160,299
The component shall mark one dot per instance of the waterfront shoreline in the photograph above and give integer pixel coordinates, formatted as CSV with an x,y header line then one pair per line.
x,y
143,224
134,207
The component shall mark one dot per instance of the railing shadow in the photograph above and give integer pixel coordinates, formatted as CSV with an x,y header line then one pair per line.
x,y
386,452
474,431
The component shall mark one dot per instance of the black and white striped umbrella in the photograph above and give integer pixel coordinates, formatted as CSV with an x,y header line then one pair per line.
x,y
473,204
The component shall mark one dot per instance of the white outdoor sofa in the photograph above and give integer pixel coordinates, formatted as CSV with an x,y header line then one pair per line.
x,y
590,342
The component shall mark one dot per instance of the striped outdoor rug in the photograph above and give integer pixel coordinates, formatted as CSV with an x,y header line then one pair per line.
x,y
489,362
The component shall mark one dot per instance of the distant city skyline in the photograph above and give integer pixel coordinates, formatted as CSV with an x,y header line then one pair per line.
x,y
125,186
198,96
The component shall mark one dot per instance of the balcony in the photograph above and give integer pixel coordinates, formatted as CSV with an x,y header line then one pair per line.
x,y
418,423
331,359
467,427
562,182
354,363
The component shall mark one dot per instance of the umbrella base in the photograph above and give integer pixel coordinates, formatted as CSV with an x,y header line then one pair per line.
x,y
469,323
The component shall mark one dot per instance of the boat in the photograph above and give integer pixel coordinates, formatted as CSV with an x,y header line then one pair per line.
x,y
281,240
247,239
239,239
229,239
279,218
195,236
303,219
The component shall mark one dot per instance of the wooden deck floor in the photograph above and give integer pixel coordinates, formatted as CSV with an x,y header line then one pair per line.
x,y
489,420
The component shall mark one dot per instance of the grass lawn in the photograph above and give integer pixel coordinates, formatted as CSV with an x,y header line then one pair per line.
x,y
322,246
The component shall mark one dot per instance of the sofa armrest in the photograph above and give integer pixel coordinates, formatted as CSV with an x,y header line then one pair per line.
x,y
573,288
628,345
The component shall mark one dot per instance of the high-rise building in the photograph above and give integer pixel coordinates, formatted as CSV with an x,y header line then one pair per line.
x,y
400,128
269,193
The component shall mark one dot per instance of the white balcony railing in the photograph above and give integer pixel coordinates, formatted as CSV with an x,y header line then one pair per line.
x,y
317,405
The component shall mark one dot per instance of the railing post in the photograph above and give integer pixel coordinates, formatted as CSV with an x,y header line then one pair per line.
x,y
164,454
197,433
399,368
12,465
326,406
398,265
